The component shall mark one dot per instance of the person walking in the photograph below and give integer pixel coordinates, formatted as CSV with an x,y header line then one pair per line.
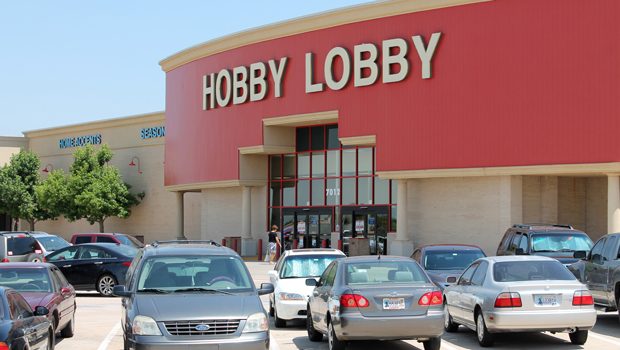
x,y
274,243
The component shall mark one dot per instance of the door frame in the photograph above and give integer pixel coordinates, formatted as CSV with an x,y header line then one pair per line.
x,y
364,210
294,211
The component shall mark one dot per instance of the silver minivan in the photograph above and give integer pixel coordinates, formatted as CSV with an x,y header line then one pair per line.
x,y
192,293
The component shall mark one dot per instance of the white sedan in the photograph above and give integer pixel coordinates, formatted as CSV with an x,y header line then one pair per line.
x,y
290,297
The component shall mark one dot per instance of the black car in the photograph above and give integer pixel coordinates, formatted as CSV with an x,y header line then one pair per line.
x,y
94,266
20,327
444,263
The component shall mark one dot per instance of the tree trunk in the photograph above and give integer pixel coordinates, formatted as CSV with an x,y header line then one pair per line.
x,y
31,222
101,226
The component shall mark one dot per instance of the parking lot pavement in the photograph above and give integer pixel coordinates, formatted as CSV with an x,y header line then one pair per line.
x,y
97,328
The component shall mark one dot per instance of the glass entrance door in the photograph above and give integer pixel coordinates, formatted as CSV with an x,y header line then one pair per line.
x,y
365,222
306,226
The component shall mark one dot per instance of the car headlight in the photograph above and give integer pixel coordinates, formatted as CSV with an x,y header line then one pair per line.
x,y
290,296
256,323
144,325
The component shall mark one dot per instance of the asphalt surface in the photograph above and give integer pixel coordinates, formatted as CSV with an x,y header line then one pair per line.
x,y
98,328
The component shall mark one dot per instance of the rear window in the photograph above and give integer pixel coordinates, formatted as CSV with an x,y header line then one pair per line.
x,y
450,259
129,240
21,245
306,265
516,271
124,250
377,272
82,239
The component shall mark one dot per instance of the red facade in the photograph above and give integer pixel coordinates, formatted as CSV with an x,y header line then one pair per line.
x,y
515,83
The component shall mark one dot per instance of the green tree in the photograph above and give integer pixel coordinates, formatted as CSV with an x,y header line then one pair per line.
x,y
18,181
93,191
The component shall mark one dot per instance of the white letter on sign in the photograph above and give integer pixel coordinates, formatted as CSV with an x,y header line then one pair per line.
x,y
329,68
258,80
278,74
223,101
426,55
389,60
240,84
208,82
359,64
310,86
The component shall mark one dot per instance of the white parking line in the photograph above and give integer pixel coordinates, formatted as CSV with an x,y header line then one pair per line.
x,y
111,335
602,338
446,346
272,343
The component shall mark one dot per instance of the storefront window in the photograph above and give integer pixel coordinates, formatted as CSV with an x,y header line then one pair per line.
x,y
318,192
333,163
275,169
288,166
348,191
364,156
364,190
318,164
274,217
332,192
348,162
393,222
303,165
394,191
274,195
303,193
382,191
317,138
332,136
302,141
288,193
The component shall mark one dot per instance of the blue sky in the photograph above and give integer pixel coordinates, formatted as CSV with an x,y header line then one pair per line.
x,y
68,62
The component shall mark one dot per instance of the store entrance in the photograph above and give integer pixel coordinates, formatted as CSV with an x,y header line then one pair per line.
x,y
365,222
308,227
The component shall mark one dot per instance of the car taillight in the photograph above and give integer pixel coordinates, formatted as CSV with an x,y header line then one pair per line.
x,y
127,263
353,300
3,346
431,298
5,260
582,297
508,300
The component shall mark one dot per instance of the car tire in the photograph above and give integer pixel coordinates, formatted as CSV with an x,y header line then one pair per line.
x,y
578,337
449,325
277,321
51,340
432,344
618,301
485,339
105,285
313,334
34,257
69,329
271,312
332,340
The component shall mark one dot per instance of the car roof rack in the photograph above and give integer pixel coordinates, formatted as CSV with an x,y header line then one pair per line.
x,y
185,241
14,232
529,226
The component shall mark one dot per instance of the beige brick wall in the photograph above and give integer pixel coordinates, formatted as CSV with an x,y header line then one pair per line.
x,y
596,207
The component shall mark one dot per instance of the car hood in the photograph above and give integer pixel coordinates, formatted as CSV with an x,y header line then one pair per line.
x,y
295,285
35,299
198,306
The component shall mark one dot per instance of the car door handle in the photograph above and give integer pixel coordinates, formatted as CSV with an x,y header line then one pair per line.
x,y
98,262
67,266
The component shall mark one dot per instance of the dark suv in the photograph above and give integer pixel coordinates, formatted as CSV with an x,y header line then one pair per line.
x,y
552,240
19,246
192,293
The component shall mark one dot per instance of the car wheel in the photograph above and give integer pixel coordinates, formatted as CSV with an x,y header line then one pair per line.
x,y
448,324
432,344
278,322
34,257
271,312
69,329
332,340
618,307
51,340
578,337
313,334
105,285
485,339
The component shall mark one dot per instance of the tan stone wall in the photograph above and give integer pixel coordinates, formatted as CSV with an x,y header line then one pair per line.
x,y
10,145
596,207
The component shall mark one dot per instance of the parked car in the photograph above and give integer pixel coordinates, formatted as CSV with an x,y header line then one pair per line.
x,y
552,240
374,298
49,243
290,298
519,294
121,238
18,246
42,284
192,293
20,327
444,263
94,266
599,269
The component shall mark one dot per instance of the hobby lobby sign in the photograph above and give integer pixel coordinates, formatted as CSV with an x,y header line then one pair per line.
x,y
243,83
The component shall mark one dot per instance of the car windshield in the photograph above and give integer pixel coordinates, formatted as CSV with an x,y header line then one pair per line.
x,y
51,243
197,272
567,243
302,266
26,279
376,272
129,240
517,271
452,259
126,250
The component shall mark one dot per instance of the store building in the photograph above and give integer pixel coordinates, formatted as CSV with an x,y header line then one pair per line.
x,y
408,122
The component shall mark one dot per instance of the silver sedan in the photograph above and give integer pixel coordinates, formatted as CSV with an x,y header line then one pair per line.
x,y
378,298
519,294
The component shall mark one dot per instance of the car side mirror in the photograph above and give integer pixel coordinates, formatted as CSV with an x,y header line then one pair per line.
x,y
311,282
519,251
265,288
65,290
121,291
41,311
451,279
272,273
580,254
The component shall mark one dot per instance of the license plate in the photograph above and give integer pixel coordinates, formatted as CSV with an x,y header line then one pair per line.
x,y
546,300
393,303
